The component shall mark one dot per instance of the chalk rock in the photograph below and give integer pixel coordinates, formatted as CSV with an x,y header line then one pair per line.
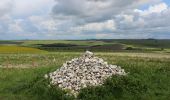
x,y
84,71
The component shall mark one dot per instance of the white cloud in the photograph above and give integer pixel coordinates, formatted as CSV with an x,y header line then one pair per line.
x,y
87,11
128,18
104,36
30,7
14,16
84,18
159,8
5,7
97,27
153,20
45,23
16,27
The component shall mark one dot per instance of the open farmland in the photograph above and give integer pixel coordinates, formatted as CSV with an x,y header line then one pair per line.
x,y
22,70
17,49
119,45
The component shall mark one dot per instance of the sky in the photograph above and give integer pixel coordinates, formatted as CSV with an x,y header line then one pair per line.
x,y
84,19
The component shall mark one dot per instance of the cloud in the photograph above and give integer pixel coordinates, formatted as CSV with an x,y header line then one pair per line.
x,y
32,7
14,18
97,27
153,9
82,19
86,11
5,7
16,27
110,16
152,22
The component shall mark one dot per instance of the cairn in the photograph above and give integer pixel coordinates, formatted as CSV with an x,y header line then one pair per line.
x,y
84,71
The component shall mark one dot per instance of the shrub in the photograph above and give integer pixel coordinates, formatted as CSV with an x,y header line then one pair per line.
x,y
129,48
116,87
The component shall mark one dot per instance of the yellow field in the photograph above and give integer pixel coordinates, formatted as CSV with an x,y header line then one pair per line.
x,y
17,49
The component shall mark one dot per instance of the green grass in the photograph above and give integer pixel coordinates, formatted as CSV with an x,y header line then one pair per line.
x,y
23,84
76,42
17,49
137,45
143,45
148,78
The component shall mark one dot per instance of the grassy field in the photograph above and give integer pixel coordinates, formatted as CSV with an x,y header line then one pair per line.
x,y
143,45
17,49
22,73
148,78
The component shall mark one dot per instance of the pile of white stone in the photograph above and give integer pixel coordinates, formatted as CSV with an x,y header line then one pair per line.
x,y
84,71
